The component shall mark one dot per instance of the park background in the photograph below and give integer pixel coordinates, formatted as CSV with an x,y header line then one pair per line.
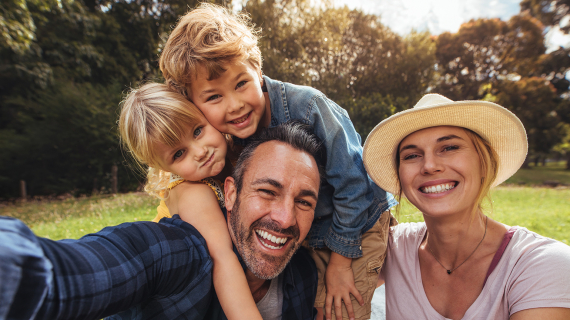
x,y
65,65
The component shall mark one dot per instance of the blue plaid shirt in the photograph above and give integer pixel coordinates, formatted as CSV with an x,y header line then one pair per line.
x,y
140,270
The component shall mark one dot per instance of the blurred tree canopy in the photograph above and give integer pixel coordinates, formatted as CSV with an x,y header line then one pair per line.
x,y
549,12
351,56
64,65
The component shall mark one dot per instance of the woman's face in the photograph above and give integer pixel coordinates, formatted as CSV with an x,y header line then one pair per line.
x,y
440,171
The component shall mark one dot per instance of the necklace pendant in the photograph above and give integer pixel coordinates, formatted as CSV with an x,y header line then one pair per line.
x,y
448,271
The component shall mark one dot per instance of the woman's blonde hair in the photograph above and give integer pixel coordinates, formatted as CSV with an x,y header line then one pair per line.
x,y
150,114
209,36
489,168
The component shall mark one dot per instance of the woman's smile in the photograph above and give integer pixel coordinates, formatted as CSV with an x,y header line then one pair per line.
x,y
440,170
437,188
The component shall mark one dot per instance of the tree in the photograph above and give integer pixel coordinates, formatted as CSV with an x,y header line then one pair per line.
x,y
487,51
535,102
63,67
366,112
345,53
549,12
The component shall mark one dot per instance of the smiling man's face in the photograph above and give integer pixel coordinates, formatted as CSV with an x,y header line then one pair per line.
x,y
272,214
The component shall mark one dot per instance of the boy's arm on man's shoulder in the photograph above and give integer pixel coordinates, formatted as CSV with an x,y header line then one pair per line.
x,y
354,192
102,273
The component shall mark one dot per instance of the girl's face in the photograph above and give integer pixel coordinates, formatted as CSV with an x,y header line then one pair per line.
x,y
200,154
440,170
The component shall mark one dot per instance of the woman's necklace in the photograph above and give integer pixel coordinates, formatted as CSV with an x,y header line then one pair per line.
x,y
450,271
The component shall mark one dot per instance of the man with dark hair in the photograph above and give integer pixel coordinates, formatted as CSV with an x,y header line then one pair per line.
x,y
162,270
293,133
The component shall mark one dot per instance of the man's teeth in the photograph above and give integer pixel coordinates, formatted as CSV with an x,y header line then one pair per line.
x,y
438,188
269,237
240,120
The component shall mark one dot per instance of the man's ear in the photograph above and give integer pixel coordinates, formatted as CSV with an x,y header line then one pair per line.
x,y
230,193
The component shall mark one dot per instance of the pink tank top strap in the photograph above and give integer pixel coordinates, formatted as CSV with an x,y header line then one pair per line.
x,y
506,239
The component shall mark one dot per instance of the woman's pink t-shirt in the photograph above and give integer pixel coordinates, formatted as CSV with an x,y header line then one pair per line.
x,y
533,272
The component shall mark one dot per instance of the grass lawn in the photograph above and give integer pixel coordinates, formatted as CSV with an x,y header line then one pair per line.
x,y
72,218
543,210
553,171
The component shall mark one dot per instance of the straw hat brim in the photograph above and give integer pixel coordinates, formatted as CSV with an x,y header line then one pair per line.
x,y
500,127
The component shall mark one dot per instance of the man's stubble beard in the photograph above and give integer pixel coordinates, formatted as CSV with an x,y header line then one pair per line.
x,y
262,265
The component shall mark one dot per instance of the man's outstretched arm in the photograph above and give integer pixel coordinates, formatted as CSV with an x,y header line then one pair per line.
x,y
145,264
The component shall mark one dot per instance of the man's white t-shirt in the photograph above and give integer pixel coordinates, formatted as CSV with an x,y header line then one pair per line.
x,y
534,272
271,305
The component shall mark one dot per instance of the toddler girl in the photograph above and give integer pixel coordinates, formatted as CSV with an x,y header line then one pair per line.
x,y
183,151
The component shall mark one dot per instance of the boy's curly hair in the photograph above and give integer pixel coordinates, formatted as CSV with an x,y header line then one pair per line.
x,y
208,36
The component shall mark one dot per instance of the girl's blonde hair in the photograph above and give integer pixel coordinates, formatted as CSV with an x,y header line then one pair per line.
x,y
489,168
150,114
209,36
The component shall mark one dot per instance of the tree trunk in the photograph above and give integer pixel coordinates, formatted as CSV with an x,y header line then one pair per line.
x,y
95,186
23,193
114,179
568,161
543,162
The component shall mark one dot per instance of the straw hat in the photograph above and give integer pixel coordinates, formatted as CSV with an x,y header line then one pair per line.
x,y
500,127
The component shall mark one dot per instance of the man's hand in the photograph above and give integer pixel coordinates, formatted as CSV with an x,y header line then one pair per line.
x,y
340,285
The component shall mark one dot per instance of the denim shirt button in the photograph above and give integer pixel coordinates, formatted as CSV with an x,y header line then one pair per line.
x,y
360,247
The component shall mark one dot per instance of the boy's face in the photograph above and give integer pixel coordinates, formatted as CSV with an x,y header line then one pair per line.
x,y
234,102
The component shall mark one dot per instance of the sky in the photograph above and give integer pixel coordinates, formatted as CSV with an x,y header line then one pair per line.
x,y
439,16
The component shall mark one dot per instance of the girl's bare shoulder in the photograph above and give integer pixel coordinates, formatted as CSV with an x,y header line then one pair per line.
x,y
189,190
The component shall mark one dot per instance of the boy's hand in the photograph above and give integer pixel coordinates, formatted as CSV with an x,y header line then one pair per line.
x,y
339,281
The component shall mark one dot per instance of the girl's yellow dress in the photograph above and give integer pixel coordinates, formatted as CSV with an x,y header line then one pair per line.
x,y
162,209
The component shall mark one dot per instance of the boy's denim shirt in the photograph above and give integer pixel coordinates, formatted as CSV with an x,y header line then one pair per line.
x,y
349,202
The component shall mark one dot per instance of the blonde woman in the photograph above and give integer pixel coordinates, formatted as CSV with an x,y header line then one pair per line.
x,y
444,156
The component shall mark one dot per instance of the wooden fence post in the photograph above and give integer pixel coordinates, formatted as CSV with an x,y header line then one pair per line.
x,y
114,179
95,189
23,194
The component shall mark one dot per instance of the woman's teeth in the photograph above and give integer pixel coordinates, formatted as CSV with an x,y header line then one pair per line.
x,y
269,237
240,120
438,188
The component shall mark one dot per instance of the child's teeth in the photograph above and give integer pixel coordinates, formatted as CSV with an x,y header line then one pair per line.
x,y
240,120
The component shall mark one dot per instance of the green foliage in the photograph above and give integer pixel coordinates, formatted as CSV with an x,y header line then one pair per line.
x,y
69,139
17,27
367,112
63,67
